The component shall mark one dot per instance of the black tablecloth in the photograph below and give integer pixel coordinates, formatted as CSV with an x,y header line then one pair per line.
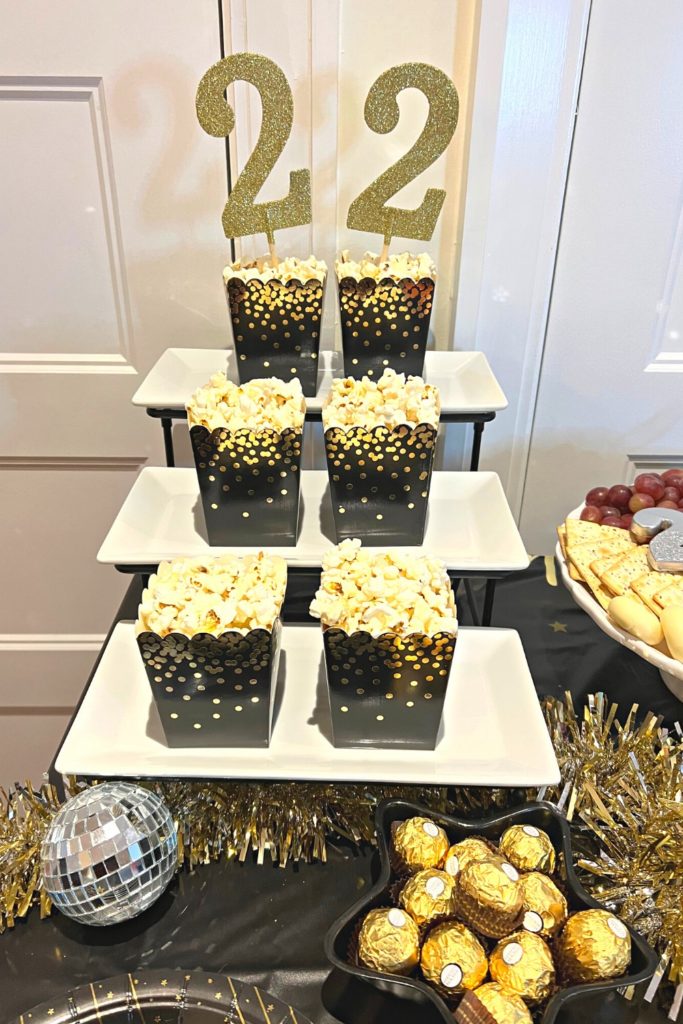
x,y
267,924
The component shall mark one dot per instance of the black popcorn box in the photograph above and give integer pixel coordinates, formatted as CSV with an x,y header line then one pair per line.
x,y
249,485
613,1001
389,690
276,328
384,323
214,691
380,480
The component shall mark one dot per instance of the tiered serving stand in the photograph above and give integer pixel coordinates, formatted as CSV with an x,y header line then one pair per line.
x,y
492,730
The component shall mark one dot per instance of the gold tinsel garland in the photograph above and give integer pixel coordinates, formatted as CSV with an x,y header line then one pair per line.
x,y
621,789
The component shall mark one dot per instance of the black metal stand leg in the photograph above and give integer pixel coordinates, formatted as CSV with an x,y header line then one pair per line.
x,y
489,595
471,603
476,446
167,427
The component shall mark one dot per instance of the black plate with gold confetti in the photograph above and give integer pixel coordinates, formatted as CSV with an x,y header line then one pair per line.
x,y
611,1002
164,997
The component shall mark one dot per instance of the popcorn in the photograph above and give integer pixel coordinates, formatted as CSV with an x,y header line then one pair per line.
x,y
392,400
212,595
380,592
267,404
397,267
290,269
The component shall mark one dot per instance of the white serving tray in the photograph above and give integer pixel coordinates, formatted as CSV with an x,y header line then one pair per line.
x,y
492,731
464,379
670,670
469,523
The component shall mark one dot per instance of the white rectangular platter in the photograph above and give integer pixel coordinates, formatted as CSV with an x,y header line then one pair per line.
x,y
464,379
492,731
469,523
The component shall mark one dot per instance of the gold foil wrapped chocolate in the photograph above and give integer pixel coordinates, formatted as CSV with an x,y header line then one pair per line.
x,y
420,843
545,908
489,898
428,896
389,941
523,964
528,848
466,852
504,1006
593,945
453,959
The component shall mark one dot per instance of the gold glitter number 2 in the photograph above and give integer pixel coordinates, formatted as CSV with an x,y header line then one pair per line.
x,y
368,212
243,216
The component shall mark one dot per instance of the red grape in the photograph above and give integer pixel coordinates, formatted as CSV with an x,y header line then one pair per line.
x,y
591,514
626,520
619,496
598,496
640,500
667,504
671,494
672,476
612,521
680,504
650,483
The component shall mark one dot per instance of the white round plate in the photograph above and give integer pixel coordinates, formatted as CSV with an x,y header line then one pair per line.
x,y
670,670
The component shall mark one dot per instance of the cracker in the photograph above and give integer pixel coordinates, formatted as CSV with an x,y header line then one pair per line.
x,y
582,555
648,585
673,594
580,531
605,562
562,537
632,565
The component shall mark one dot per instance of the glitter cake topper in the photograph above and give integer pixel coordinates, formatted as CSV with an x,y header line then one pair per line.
x,y
369,212
242,215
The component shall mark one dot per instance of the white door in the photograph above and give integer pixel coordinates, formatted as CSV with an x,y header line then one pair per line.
x,y
110,251
610,397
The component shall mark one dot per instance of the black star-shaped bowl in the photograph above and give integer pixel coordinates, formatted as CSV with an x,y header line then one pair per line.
x,y
603,1001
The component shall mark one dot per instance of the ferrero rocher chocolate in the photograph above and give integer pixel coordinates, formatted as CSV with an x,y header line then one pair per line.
x,y
594,944
389,941
504,1006
489,898
545,908
428,896
453,959
465,852
528,848
522,963
420,843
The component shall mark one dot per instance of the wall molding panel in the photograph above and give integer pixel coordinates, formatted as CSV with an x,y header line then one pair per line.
x,y
88,91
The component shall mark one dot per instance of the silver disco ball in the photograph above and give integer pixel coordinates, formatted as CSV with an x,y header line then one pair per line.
x,y
109,853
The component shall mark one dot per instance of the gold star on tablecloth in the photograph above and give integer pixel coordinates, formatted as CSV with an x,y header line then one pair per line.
x,y
558,627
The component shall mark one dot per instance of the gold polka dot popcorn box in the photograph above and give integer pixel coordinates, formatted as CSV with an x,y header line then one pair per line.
x,y
380,440
209,634
389,634
385,309
276,314
247,443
